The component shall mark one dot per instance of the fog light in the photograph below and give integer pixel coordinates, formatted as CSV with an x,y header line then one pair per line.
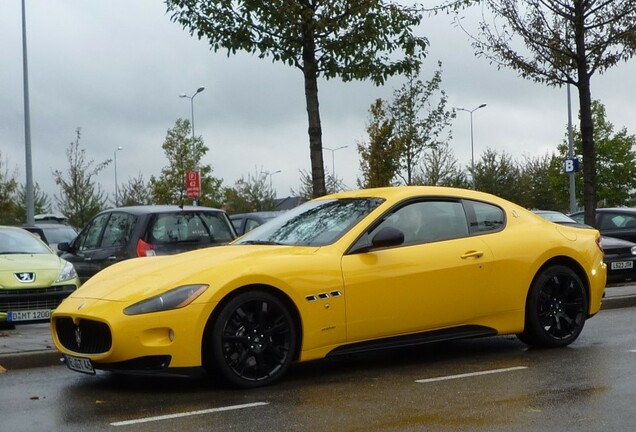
x,y
171,335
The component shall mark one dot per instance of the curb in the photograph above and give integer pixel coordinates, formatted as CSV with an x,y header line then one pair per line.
x,y
30,359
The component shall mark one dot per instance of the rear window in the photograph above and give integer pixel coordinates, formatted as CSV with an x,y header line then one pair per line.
x,y
196,227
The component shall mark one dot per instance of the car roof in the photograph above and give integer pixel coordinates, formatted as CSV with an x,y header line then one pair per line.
x,y
153,209
261,214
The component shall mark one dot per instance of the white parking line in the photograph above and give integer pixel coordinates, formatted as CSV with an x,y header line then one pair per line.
x,y
471,374
187,414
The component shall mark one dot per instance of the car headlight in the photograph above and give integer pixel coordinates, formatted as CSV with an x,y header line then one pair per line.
x,y
634,250
173,299
67,273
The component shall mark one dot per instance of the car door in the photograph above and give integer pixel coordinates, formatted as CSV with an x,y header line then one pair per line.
x,y
435,279
81,250
104,241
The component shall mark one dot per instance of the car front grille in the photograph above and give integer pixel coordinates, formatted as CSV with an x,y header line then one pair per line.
x,y
33,299
87,337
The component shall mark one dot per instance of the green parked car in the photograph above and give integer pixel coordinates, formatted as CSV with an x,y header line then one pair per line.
x,y
33,279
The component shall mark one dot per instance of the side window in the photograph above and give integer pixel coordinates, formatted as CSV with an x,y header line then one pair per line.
x,y
118,230
220,231
486,217
428,221
89,238
250,224
237,224
580,218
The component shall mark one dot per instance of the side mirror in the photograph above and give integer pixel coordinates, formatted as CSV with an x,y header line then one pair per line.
x,y
64,246
388,236
385,237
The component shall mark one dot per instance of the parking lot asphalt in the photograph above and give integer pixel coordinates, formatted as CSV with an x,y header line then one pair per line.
x,y
31,345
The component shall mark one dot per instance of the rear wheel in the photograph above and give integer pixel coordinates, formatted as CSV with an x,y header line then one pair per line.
x,y
556,308
253,340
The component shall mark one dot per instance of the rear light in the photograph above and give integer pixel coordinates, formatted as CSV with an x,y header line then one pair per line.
x,y
598,243
145,249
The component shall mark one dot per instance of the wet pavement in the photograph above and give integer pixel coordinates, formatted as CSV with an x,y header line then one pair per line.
x,y
31,345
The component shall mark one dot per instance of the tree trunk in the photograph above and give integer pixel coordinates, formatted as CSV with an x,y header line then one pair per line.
x,y
586,122
310,73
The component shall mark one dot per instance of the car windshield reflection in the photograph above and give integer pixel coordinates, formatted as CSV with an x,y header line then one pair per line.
x,y
315,223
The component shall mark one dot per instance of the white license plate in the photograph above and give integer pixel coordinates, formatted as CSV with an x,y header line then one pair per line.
x,y
79,364
620,265
29,315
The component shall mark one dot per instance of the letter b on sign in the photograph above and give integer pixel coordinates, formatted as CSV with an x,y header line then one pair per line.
x,y
571,165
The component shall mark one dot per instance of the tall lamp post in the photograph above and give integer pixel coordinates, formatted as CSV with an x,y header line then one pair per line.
x,y
115,158
270,175
333,163
30,200
183,95
472,143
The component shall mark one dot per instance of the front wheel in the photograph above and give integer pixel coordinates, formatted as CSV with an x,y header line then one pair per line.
x,y
253,340
556,308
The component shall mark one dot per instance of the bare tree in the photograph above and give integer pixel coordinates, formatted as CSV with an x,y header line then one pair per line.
x,y
560,42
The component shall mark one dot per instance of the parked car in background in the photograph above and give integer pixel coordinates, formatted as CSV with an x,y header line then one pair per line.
x,y
33,279
614,222
345,273
619,255
126,232
244,222
53,233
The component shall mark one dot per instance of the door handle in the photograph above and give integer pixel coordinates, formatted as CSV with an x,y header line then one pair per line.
x,y
472,254
112,258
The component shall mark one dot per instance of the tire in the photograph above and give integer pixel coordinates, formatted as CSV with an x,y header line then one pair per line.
x,y
253,340
556,308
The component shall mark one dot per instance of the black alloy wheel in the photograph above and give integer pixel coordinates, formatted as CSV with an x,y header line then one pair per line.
x,y
556,308
253,340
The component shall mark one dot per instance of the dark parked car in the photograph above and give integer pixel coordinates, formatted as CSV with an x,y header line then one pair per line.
x,y
614,222
244,222
52,233
619,255
127,232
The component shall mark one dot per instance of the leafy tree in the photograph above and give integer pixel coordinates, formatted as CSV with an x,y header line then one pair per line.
x,y
419,124
616,162
41,202
563,42
350,39
183,155
135,192
497,173
8,187
379,159
441,168
537,187
80,196
253,193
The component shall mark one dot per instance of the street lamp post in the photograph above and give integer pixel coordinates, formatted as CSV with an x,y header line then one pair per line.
x,y
270,175
183,95
333,164
472,143
115,158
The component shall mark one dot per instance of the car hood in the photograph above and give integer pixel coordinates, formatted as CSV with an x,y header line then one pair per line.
x,y
45,267
140,278
613,243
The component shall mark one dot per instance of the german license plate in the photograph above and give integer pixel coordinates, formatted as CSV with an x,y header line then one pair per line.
x,y
79,364
29,315
620,265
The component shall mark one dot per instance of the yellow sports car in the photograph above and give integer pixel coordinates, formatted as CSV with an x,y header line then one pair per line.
x,y
345,273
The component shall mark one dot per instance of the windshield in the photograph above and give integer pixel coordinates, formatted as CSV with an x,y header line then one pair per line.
x,y
315,223
21,242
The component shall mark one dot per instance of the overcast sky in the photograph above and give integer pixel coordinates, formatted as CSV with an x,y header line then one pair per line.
x,y
115,69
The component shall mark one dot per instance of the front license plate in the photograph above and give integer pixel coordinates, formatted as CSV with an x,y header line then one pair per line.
x,y
79,364
620,265
29,315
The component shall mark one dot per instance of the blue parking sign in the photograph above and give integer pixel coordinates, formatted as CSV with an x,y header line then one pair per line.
x,y
571,165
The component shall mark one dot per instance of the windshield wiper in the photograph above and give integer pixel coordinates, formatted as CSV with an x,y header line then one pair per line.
x,y
261,242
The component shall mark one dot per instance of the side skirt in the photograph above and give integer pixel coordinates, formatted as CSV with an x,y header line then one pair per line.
x,y
462,332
